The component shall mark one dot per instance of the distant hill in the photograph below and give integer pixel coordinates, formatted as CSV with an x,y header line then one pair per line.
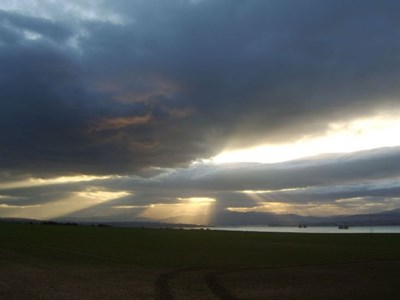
x,y
98,222
228,218
391,217
19,220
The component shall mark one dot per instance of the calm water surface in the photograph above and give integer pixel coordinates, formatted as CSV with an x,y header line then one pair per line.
x,y
312,229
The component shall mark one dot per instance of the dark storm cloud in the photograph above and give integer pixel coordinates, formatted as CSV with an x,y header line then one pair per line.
x,y
19,24
175,81
269,69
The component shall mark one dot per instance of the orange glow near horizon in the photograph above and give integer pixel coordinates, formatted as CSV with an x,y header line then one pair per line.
x,y
62,207
194,210
31,182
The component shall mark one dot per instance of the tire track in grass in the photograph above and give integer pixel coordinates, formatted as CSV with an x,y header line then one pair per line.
x,y
222,293
216,288
163,287
163,291
162,283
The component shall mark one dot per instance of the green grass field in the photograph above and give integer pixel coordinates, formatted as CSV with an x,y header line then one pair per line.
x,y
79,262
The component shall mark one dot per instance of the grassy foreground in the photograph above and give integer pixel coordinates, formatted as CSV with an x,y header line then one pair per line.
x,y
67,262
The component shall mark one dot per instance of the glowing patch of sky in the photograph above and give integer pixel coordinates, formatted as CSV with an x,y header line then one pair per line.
x,y
357,205
357,135
269,191
17,206
56,10
96,195
129,206
76,202
196,210
198,200
51,181
318,209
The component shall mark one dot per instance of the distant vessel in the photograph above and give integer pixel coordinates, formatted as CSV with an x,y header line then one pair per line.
x,y
302,226
343,226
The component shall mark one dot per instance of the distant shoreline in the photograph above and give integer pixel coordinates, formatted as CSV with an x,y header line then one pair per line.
x,y
311,229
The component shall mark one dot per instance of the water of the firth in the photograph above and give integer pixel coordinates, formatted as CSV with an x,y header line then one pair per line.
x,y
312,229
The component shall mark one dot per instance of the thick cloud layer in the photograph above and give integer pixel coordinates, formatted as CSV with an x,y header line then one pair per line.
x,y
120,86
360,183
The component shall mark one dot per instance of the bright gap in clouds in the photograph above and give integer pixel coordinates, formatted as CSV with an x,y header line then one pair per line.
x,y
357,135
31,182
75,202
194,210
88,10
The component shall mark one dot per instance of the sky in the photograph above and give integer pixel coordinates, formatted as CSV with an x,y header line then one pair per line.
x,y
183,110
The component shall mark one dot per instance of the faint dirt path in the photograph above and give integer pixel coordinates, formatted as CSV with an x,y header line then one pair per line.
x,y
162,283
216,288
164,291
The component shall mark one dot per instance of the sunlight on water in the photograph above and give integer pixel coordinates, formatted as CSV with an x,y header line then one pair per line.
x,y
311,229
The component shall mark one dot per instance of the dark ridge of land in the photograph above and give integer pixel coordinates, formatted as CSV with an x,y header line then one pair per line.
x,y
75,222
229,218
64,262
